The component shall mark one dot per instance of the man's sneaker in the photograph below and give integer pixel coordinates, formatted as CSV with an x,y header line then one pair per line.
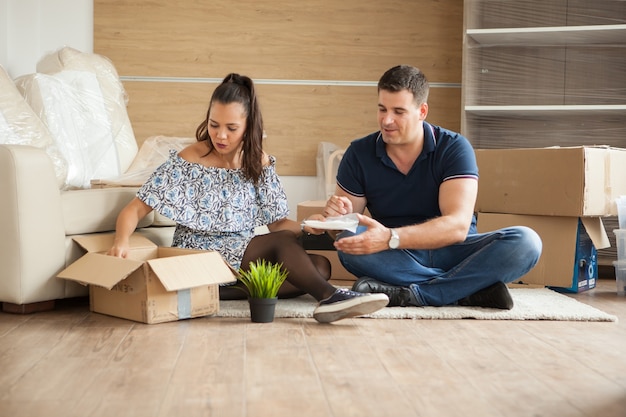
x,y
398,296
345,303
494,296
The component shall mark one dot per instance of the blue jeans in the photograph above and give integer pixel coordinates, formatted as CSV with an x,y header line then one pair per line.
x,y
443,276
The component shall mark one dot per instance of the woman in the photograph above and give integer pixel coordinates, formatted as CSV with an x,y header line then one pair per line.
x,y
221,188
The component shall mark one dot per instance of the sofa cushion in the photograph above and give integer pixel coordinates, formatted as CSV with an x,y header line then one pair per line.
x,y
82,102
113,92
161,236
71,105
19,125
96,210
153,152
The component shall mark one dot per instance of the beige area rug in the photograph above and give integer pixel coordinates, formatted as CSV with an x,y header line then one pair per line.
x,y
530,304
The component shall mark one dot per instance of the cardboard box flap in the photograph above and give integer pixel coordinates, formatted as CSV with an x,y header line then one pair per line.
x,y
101,270
597,187
596,231
104,241
190,271
565,246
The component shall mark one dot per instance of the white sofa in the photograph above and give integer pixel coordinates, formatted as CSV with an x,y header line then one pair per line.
x,y
37,222
44,162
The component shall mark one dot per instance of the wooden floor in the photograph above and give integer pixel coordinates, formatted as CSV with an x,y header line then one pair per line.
x,y
71,362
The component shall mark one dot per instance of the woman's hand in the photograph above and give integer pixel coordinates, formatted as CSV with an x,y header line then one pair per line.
x,y
126,223
309,229
119,250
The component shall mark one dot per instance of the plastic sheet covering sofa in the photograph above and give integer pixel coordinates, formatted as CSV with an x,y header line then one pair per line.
x,y
46,168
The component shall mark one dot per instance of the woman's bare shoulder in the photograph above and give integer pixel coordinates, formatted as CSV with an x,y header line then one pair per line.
x,y
265,159
194,152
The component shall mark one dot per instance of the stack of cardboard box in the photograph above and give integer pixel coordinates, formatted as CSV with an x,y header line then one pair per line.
x,y
561,193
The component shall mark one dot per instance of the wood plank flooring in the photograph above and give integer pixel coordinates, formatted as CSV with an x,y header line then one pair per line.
x,y
70,362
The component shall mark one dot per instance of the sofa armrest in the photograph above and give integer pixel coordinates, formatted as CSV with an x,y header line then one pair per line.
x,y
32,247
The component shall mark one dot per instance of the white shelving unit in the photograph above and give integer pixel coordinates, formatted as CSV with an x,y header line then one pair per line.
x,y
548,36
540,73
544,73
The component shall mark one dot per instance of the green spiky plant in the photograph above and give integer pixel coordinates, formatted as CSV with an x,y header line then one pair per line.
x,y
263,278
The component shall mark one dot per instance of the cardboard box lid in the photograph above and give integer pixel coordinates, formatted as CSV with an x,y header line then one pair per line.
x,y
102,242
175,272
189,271
596,231
101,270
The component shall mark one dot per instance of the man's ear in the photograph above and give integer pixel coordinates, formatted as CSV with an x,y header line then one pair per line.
x,y
423,110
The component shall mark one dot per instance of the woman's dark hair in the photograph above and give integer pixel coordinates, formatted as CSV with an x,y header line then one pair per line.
x,y
237,88
405,77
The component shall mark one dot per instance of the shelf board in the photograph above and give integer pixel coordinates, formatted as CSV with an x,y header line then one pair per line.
x,y
546,36
545,110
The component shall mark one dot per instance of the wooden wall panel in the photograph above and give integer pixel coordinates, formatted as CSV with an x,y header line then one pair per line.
x,y
296,117
165,50
316,39
170,109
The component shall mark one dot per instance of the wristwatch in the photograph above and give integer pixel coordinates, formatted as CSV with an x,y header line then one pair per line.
x,y
394,240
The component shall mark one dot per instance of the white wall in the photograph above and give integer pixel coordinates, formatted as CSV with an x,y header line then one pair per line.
x,y
299,189
3,32
29,29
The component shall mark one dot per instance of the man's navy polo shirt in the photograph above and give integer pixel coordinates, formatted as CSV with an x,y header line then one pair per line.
x,y
395,199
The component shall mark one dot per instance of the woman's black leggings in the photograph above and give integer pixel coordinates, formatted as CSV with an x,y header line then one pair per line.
x,y
307,273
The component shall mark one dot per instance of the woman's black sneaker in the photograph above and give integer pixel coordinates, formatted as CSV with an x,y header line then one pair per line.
x,y
344,304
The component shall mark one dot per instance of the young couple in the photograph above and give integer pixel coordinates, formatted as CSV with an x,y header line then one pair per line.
x,y
419,182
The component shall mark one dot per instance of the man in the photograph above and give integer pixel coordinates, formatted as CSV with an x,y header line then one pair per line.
x,y
420,182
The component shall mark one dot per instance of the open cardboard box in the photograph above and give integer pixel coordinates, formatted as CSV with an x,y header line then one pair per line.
x,y
153,284
556,181
569,259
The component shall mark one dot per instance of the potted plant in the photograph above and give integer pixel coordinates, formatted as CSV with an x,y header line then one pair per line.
x,y
262,279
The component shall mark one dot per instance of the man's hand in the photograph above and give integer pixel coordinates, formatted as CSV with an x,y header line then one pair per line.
x,y
337,206
374,239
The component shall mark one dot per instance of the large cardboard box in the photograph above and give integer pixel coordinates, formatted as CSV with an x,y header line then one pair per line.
x,y
153,284
573,181
569,259
306,209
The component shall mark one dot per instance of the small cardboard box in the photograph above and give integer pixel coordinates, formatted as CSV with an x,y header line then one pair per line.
x,y
572,181
153,284
569,260
308,208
